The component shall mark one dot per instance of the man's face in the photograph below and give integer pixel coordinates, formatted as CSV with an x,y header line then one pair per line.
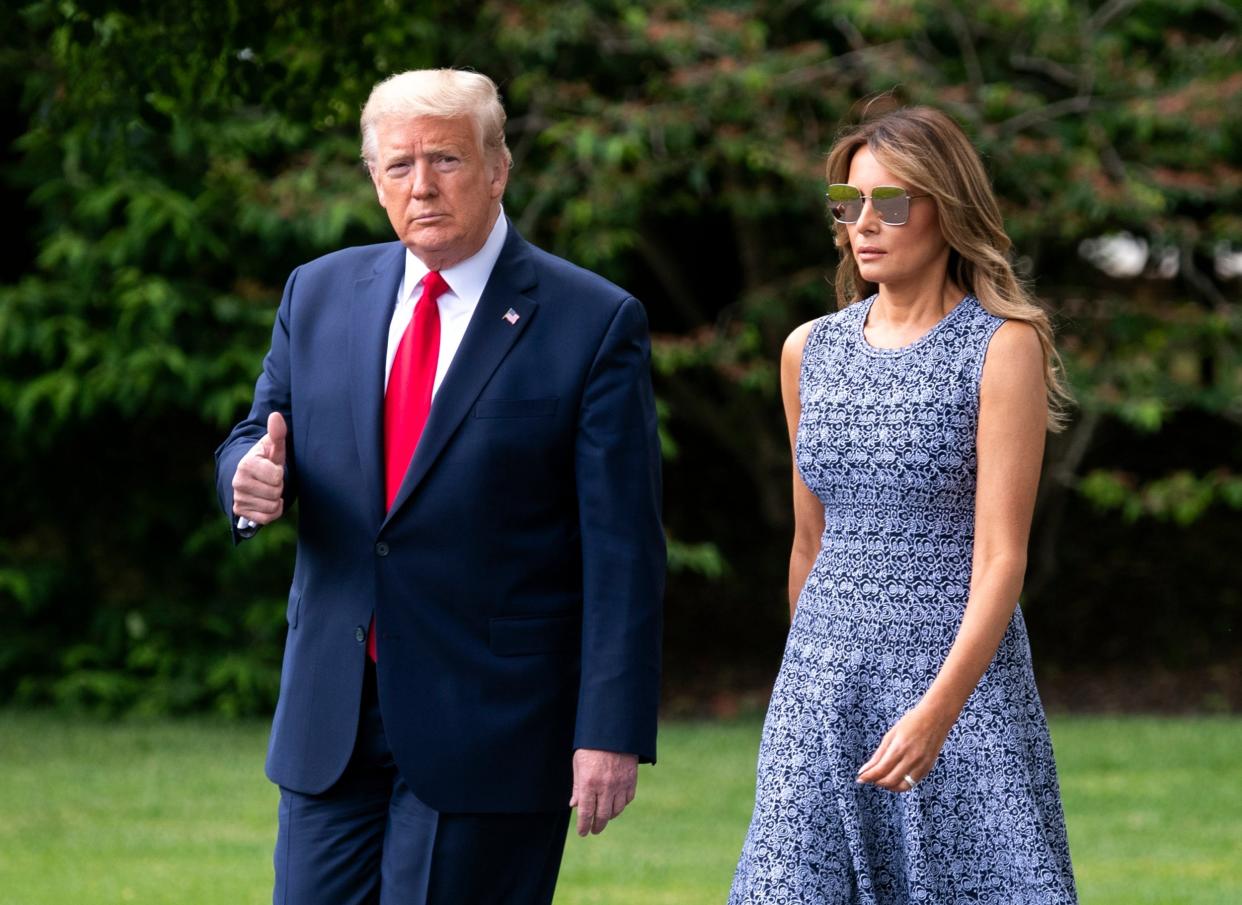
x,y
441,191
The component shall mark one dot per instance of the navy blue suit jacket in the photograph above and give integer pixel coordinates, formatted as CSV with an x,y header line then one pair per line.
x,y
517,581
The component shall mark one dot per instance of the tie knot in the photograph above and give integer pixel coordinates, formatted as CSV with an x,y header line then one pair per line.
x,y
434,285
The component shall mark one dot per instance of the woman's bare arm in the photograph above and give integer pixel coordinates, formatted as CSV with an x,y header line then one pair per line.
x,y
808,511
1013,410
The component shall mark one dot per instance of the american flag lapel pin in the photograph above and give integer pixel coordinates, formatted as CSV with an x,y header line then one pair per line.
x,y
511,316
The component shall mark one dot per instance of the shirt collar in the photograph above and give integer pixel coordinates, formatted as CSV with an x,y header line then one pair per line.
x,y
466,279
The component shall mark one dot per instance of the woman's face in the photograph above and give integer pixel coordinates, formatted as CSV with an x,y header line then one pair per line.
x,y
895,256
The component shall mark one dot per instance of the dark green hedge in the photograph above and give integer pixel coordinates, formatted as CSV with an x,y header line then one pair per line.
x,y
169,164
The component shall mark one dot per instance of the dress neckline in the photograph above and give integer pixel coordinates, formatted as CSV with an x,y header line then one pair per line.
x,y
901,350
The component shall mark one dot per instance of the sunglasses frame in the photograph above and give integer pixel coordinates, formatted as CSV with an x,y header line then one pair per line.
x,y
863,199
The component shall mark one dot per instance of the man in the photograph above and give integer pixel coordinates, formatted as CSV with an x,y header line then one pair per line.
x,y
468,425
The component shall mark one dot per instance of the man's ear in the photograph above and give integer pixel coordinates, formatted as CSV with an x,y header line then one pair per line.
x,y
375,181
500,176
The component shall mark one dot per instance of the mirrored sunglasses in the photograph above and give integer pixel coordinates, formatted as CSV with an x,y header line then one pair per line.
x,y
891,203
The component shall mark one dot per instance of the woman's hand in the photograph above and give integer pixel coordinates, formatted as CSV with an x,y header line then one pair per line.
x,y
909,749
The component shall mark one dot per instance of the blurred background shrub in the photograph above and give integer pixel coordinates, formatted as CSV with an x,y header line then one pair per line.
x,y
165,165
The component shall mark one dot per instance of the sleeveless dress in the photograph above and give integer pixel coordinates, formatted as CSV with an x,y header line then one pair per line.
x,y
886,441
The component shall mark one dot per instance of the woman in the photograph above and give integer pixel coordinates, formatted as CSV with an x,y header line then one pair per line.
x,y
905,755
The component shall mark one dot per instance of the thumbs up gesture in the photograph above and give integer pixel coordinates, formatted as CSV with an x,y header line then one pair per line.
x,y
259,482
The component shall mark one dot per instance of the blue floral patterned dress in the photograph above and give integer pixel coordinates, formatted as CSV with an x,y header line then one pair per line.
x,y
886,441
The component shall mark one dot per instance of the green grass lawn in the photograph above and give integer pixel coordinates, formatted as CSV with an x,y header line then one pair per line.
x,y
179,812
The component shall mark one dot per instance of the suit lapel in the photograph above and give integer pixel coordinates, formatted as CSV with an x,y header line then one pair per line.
x,y
487,340
370,313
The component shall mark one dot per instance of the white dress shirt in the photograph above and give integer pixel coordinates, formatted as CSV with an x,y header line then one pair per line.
x,y
466,282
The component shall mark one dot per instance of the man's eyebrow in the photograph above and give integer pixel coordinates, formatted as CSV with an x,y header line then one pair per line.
x,y
400,152
407,154
445,150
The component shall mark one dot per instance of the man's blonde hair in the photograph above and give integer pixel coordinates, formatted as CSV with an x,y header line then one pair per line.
x,y
441,93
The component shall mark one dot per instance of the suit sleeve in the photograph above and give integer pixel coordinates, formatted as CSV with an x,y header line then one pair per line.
x,y
617,471
271,394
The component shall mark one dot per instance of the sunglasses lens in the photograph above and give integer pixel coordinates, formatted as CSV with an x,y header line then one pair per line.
x,y
891,203
845,203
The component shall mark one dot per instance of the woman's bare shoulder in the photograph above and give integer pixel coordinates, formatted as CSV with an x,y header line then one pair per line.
x,y
1015,349
796,341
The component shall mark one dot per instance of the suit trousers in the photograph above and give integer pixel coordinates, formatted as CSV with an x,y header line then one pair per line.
x,y
368,840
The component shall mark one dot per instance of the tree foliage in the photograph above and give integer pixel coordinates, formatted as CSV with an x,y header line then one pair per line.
x,y
172,163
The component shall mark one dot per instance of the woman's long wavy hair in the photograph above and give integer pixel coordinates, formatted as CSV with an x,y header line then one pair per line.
x,y
930,152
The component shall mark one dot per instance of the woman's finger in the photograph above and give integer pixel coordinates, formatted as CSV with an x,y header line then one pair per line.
x,y
881,764
878,754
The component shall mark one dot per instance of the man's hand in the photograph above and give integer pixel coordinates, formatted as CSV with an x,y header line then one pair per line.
x,y
259,482
604,783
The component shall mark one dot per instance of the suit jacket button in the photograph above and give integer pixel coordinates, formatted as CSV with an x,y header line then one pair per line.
x,y
360,634
381,549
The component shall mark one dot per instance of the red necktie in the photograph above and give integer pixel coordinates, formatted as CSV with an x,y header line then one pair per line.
x,y
408,399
